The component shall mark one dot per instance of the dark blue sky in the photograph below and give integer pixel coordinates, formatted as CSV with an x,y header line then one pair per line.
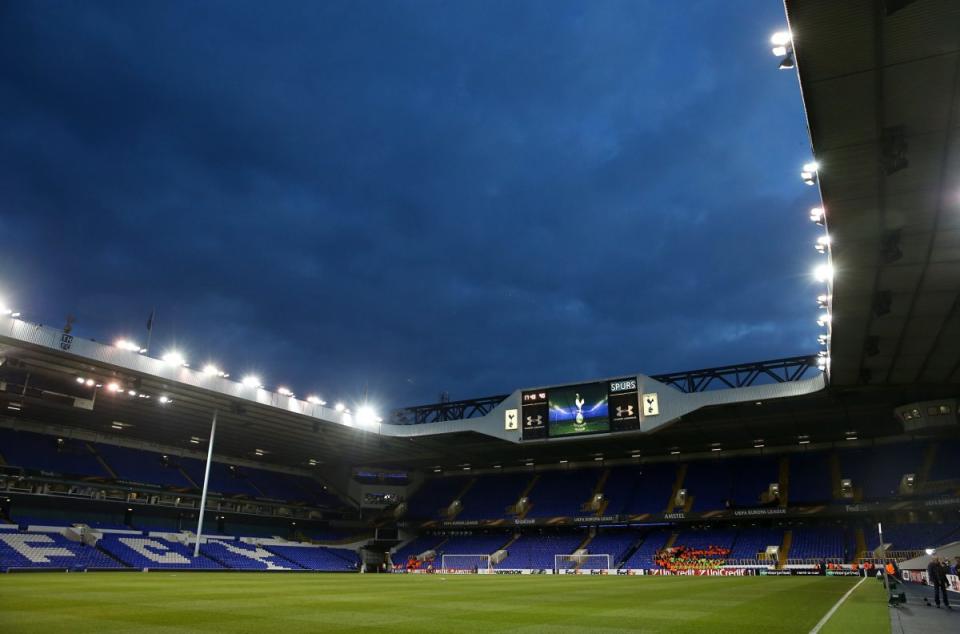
x,y
409,197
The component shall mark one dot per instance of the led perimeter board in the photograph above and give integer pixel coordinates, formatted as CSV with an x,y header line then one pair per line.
x,y
575,410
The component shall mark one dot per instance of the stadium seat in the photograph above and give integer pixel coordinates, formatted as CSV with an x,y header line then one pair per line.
x,y
50,550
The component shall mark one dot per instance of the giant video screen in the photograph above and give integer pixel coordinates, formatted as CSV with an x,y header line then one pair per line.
x,y
581,409
591,408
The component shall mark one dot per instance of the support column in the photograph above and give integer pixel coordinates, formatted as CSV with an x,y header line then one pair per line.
x,y
206,481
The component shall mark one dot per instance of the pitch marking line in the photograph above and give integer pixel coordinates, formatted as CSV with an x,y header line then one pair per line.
x,y
826,617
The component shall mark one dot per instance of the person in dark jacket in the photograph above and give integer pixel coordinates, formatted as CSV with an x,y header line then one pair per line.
x,y
937,576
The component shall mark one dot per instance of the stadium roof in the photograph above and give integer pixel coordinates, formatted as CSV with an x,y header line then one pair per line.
x,y
881,86
291,432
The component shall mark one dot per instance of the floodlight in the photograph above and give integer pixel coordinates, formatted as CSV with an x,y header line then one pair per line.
x,y
823,319
339,407
823,300
79,379
812,166
90,382
174,358
823,242
164,400
823,273
779,51
929,551
316,400
817,215
282,391
787,62
366,417
251,380
347,419
125,344
113,387
212,370
780,38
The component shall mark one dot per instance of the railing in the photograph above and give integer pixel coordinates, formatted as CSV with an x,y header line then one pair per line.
x,y
812,561
784,370
894,555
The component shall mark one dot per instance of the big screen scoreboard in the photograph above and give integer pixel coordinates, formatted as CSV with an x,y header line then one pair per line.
x,y
590,408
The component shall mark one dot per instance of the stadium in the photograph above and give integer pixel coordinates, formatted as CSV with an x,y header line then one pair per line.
x,y
797,494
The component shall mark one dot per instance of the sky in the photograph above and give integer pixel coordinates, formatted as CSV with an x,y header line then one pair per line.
x,y
389,199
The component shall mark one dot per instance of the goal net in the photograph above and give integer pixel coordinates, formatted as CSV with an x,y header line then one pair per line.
x,y
465,562
581,562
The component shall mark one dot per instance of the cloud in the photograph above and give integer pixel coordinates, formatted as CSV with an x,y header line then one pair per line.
x,y
398,199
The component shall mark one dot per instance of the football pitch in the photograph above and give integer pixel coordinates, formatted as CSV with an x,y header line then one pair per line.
x,y
281,603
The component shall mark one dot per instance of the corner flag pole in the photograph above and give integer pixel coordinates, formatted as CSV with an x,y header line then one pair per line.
x,y
206,481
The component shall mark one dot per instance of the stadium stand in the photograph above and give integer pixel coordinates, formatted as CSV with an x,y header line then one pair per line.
x,y
318,558
415,547
914,536
876,471
615,544
434,496
749,542
817,543
562,493
153,552
49,453
636,490
240,556
490,496
22,549
752,476
702,539
142,466
538,551
810,479
643,556
710,483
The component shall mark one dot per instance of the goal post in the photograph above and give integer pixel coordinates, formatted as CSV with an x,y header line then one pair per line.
x,y
581,562
465,562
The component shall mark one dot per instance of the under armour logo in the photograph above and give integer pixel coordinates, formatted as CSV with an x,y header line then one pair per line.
x,y
534,420
624,411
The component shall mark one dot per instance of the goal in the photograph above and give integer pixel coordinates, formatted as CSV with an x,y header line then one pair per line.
x,y
465,562
581,562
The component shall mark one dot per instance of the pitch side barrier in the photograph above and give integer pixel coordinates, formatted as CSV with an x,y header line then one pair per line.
x,y
657,572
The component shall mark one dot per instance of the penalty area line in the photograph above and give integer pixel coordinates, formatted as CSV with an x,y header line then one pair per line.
x,y
836,606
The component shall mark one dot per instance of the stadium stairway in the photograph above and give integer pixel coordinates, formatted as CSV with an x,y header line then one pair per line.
x,y
785,548
861,543
586,507
109,554
677,485
187,477
671,540
453,509
103,463
784,480
516,509
586,540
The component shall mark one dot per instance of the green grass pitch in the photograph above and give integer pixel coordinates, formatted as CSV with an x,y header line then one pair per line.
x,y
284,603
